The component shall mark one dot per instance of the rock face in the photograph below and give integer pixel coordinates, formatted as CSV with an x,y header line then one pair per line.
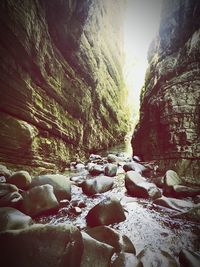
x,y
168,129
61,80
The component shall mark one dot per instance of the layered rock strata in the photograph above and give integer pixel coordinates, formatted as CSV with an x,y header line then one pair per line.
x,y
61,89
169,125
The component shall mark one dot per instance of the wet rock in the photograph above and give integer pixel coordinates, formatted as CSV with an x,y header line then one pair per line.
x,y
192,214
173,203
111,158
126,260
184,191
9,195
94,157
95,253
75,210
77,179
96,169
171,179
13,219
21,179
42,245
99,184
4,171
189,258
107,212
161,258
138,186
77,203
61,184
134,166
38,200
111,237
136,158
80,166
110,170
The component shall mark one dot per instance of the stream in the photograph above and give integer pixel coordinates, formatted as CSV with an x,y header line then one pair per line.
x,y
147,225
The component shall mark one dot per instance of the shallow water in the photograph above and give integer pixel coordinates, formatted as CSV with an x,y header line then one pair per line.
x,y
146,225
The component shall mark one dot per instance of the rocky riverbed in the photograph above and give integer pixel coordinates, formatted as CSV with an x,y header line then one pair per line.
x,y
156,219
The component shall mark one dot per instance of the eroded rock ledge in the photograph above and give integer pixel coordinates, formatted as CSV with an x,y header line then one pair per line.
x,y
168,129
61,80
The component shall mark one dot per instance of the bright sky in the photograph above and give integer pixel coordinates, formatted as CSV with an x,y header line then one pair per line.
x,y
141,26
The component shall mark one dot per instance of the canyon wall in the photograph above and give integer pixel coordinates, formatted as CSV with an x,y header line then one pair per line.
x,y
169,125
61,85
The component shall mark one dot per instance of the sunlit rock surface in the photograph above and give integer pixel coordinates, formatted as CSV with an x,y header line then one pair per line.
x,y
61,90
168,129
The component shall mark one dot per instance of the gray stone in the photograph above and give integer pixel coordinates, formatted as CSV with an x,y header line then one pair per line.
x,y
99,184
39,200
96,169
110,170
173,203
9,196
181,191
61,184
111,237
21,179
107,212
134,166
13,219
4,171
138,186
95,253
112,158
42,246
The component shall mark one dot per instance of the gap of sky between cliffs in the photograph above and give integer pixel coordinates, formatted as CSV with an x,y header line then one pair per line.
x,y
142,18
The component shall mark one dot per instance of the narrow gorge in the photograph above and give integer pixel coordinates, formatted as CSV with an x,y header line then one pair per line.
x,y
71,193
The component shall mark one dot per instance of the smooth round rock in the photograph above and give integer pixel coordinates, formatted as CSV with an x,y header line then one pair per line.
x,y
39,200
99,184
13,219
4,171
21,179
138,186
61,184
107,212
95,253
111,237
42,246
110,170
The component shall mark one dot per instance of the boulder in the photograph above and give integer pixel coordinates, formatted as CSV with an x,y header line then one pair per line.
x,y
192,214
95,253
94,157
42,246
159,258
107,212
134,166
111,158
110,170
38,200
99,184
180,191
197,199
189,258
96,169
138,186
21,179
126,260
9,195
13,219
171,179
173,203
111,237
61,184
4,171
